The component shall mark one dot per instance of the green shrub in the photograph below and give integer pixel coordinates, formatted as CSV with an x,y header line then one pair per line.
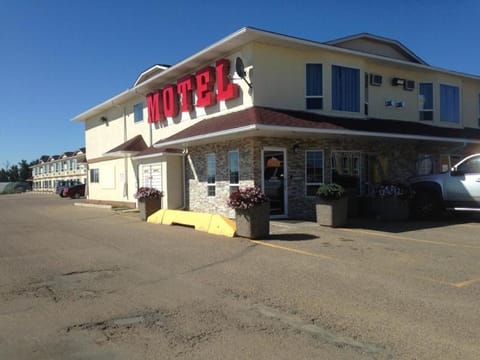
x,y
329,192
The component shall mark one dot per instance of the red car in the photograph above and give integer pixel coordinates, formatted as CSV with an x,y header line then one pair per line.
x,y
74,191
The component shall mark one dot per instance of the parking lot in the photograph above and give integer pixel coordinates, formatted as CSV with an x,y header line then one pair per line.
x,y
88,283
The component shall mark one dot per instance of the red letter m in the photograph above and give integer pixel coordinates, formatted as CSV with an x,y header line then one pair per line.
x,y
154,104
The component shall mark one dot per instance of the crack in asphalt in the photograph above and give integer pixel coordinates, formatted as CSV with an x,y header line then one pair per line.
x,y
233,257
316,330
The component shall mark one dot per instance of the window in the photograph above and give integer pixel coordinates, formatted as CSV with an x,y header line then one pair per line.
x,y
449,103
94,175
314,85
233,170
313,171
471,166
138,112
425,92
345,89
211,173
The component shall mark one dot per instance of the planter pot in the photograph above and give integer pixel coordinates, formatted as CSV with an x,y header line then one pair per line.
x,y
148,206
391,209
332,213
253,223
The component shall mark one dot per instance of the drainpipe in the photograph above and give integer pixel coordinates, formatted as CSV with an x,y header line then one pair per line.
x,y
125,160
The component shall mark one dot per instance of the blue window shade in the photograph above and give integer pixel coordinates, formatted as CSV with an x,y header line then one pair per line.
x,y
426,109
426,90
314,86
345,89
138,112
449,103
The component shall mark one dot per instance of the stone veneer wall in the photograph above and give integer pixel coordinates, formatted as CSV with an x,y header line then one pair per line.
x,y
398,158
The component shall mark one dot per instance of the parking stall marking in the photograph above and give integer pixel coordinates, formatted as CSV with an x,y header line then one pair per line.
x,y
399,237
466,283
301,252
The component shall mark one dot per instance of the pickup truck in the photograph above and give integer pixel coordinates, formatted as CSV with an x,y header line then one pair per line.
x,y
454,190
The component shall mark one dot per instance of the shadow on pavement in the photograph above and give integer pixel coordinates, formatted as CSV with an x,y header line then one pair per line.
x,y
412,225
292,237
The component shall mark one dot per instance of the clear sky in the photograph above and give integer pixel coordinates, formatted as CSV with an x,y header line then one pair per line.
x,y
59,58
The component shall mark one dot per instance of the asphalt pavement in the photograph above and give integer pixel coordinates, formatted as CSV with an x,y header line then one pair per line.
x,y
89,283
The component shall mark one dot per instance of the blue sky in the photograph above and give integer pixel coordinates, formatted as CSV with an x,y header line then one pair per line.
x,y
59,58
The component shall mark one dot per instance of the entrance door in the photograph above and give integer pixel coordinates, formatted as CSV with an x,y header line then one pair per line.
x,y
151,176
275,180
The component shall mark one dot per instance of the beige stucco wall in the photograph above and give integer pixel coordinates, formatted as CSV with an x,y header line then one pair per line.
x,y
279,78
113,174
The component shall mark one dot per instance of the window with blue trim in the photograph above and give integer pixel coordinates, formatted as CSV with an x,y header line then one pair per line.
x,y
425,92
138,112
449,103
345,89
314,86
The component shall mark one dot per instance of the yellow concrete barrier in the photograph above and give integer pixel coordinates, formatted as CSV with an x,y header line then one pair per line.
x,y
210,223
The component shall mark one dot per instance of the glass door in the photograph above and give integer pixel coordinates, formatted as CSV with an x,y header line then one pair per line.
x,y
274,180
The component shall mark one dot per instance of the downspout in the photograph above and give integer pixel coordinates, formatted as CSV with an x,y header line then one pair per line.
x,y
184,182
125,159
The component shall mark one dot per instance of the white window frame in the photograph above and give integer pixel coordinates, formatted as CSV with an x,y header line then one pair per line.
x,y
314,96
307,184
140,104
211,186
95,178
234,186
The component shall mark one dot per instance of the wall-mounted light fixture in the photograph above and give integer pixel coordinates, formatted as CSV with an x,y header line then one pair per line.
x,y
104,120
296,148
398,82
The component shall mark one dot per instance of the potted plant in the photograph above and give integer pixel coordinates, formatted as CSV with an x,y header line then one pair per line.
x,y
149,201
332,205
252,212
391,201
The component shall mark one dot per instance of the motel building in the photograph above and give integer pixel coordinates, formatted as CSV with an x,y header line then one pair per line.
x,y
282,113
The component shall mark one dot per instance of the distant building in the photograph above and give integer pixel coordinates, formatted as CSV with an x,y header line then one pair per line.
x,y
282,113
49,170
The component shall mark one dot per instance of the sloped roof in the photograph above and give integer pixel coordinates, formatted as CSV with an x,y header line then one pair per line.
x,y
369,43
149,73
131,147
155,151
260,120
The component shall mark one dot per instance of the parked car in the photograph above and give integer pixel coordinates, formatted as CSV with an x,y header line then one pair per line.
x,y
74,191
454,190
62,184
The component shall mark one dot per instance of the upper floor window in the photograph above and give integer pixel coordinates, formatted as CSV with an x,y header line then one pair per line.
x,y
313,171
211,174
449,103
314,86
233,170
138,112
345,89
425,92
